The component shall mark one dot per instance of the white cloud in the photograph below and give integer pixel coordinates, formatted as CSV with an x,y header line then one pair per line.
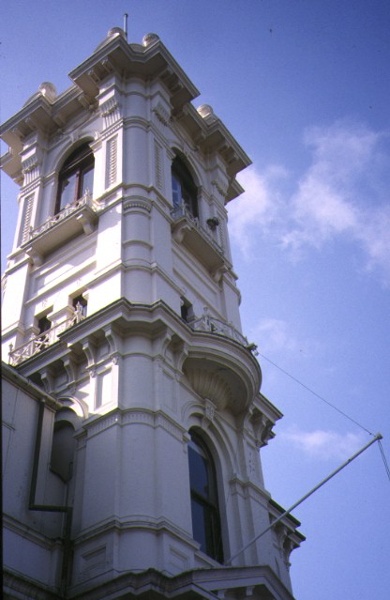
x,y
342,194
274,335
259,208
321,444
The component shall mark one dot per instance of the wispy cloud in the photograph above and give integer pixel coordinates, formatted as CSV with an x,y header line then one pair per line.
x,y
276,335
322,444
342,194
256,212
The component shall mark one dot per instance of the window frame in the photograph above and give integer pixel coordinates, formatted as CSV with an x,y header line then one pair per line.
x,y
184,188
208,531
78,164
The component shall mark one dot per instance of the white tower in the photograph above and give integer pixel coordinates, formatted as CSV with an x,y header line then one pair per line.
x,y
132,412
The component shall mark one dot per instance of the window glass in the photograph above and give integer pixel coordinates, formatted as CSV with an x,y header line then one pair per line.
x,y
76,177
87,181
206,528
184,190
63,447
68,190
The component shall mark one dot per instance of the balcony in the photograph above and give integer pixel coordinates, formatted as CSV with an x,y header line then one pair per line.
x,y
74,219
218,371
45,339
212,325
187,230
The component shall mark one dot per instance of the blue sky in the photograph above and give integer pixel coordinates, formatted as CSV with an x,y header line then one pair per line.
x,y
304,86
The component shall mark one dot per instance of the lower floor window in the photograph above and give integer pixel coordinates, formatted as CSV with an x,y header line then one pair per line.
x,y
206,525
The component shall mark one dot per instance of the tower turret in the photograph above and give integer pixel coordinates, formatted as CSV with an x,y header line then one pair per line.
x,y
121,321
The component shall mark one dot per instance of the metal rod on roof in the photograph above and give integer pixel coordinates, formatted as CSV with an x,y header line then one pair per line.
x,y
125,17
375,439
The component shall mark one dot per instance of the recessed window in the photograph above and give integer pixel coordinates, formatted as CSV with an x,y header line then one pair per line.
x,y
76,177
184,190
61,461
80,308
186,310
43,340
206,525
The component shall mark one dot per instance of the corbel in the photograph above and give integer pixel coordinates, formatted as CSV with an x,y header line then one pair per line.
x,y
47,379
219,273
107,64
87,222
89,350
69,367
208,414
180,230
112,337
36,258
262,428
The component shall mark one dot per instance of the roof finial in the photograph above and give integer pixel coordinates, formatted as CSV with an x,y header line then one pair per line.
x,y
125,17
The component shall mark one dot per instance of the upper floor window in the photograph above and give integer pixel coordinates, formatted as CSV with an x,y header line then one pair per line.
x,y
43,338
76,177
184,190
206,523
80,308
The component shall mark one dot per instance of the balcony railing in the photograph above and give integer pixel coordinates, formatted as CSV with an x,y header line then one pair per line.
x,y
181,211
69,209
210,324
45,339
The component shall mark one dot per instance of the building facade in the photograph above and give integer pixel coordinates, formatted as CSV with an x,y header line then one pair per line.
x,y
132,412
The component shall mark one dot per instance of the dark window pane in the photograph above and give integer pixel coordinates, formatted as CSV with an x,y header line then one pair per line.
x,y
199,524
198,473
87,182
184,190
206,526
176,192
68,190
76,177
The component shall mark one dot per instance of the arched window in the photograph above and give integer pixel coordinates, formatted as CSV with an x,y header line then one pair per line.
x,y
61,461
75,177
184,190
206,523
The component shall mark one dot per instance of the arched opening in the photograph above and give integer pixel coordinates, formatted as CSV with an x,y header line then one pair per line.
x,y
63,445
76,177
184,189
206,521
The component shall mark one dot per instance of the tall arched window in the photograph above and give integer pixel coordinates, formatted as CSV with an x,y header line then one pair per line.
x,y
206,522
75,177
63,446
184,190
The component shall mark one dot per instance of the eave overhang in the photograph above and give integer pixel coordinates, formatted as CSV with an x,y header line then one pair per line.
x,y
129,60
47,115
211,135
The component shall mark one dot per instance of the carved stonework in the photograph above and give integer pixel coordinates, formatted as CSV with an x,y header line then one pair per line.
x,y
137,204
262,428
158,166
222,189
110,111
286,545
162,113
209,410
111,161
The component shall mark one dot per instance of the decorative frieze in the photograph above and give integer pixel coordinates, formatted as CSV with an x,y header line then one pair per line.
x,y
137,204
